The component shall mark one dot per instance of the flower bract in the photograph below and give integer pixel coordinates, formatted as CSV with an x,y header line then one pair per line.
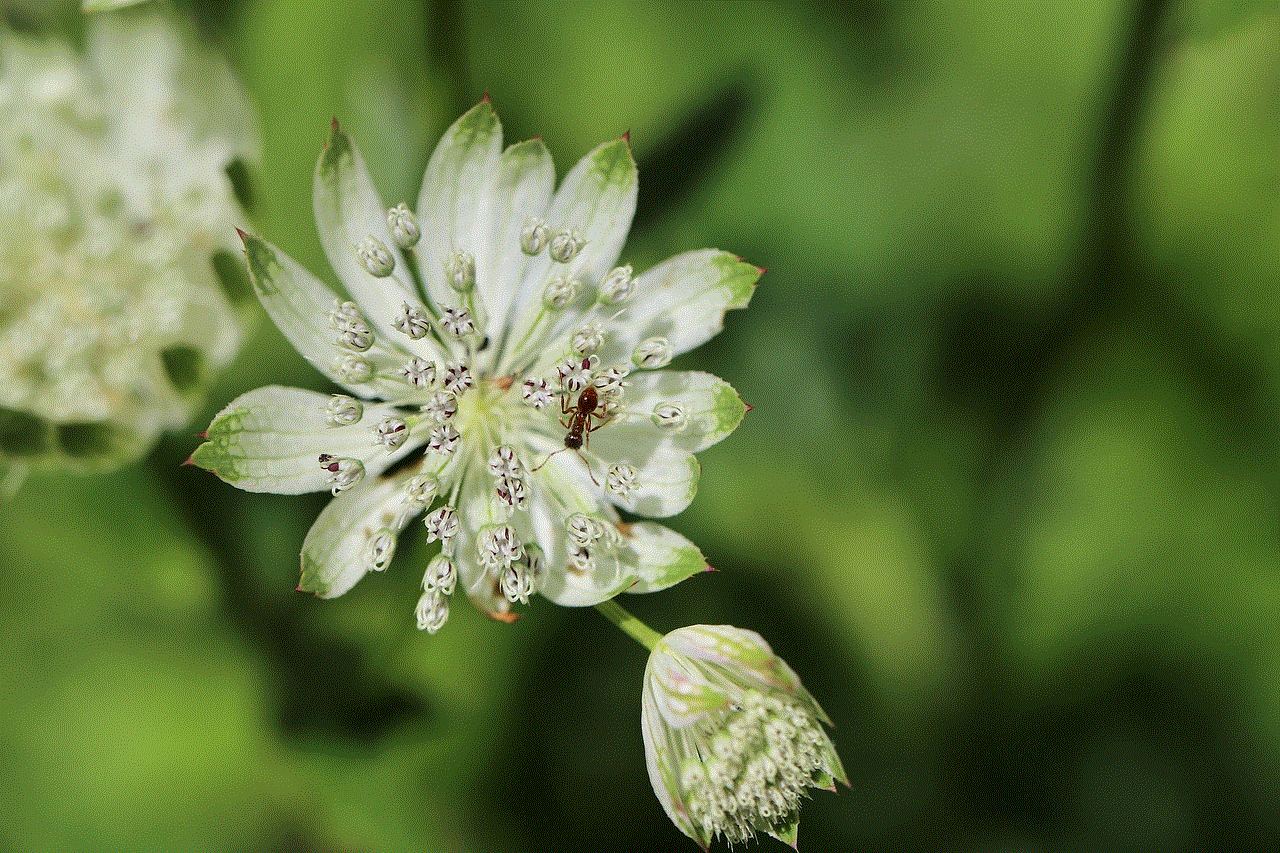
x,y
499,377
731,738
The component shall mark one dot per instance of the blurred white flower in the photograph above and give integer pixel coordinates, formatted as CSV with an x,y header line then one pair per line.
x,y
731,738
117,217
497,364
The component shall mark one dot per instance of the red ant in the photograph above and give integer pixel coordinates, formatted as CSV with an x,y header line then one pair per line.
x,y
579,425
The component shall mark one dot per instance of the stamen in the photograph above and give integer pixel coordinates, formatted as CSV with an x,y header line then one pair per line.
x,y
412,321
344,472
374,257
442,523
419,372
669,416
444,439
353,369
560,291
404,226
587,338
565,245
652,353
457,322
343,410
534,236
432,612
460,271
442,406
457,377
536,392
381,548
391,433
621,480
618,286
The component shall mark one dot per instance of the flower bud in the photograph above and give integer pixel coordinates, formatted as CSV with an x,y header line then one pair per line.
x,y
404,226
374,257
731,738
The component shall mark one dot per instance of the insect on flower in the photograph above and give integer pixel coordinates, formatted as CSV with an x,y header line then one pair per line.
x,y
591,404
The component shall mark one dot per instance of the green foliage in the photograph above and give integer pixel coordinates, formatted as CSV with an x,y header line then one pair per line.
x,y
1007,507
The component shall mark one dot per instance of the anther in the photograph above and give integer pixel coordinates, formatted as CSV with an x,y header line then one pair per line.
x,y
391,433
343,410
534,236
618,286
412,321
460,271
652,353
404,226
565,245
374,257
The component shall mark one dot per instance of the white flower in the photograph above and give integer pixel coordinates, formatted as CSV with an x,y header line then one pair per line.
x,y
116,238
521,430
731,738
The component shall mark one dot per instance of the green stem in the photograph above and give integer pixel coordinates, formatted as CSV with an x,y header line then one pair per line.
x,y
637,630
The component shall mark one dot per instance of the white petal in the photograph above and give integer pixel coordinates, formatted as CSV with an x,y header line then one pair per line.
x,y
299,303
270,440
706,409
459,176
561,487
659,556
348,211
335,552
521,190
683,300
598,199
666,475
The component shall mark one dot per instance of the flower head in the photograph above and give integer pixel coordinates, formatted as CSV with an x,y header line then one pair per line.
x,y
731,739
116,217
497,367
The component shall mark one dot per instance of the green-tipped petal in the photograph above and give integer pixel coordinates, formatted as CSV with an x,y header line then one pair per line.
x,y
661,557
665,477
270,440
520,192
682,301
299,304
686,409
459,175
337,551
349,211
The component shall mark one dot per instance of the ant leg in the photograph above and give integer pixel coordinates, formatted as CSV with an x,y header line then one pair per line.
x,y
588,467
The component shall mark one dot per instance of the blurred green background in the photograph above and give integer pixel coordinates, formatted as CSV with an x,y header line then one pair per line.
x,y
1007,501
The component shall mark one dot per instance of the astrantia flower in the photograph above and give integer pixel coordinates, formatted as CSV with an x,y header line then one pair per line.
x,y
115,211
499,376
731,739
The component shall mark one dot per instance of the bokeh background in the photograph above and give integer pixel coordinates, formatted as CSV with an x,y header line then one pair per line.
x,y
1007,501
